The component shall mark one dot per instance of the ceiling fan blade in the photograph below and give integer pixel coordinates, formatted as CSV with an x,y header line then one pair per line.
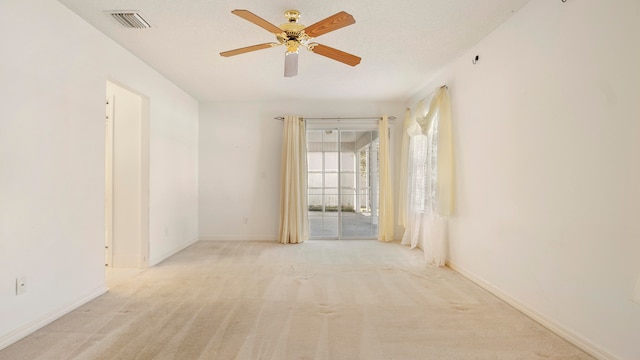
x,y
335,54
251,17
290,64
247,49
329,24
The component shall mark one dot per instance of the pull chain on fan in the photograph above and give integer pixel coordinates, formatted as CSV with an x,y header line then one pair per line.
x,y
294,35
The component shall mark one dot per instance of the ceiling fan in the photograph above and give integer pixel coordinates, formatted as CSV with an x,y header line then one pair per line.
x,y
294,35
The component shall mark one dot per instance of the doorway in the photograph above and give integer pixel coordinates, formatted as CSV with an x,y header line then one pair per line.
x,y
343,183
126,178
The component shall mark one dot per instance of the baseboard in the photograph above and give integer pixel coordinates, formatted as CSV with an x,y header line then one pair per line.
x,y
41,322
238,238
157,260
560,330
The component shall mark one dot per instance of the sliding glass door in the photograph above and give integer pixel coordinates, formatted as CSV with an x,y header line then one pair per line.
x,y
343,183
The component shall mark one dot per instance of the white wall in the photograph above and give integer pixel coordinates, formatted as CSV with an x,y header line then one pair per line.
x,y
52,96
547,138
173,203
240,149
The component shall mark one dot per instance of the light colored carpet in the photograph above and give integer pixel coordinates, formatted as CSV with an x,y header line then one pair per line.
x,y
317,300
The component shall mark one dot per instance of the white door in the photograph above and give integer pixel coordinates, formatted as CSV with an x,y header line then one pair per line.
x,y
126,182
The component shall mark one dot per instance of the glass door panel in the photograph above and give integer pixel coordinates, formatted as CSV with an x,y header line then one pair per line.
x,y
342,183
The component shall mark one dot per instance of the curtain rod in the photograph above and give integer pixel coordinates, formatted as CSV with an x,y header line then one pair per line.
x,y
342,118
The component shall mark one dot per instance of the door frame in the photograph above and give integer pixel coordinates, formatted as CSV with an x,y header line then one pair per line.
x,y
339,126
108,183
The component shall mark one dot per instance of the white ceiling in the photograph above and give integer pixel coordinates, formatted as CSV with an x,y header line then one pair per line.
x,y
402,44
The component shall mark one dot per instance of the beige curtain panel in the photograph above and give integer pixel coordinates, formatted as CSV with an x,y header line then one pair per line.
x,y
404,160
386,227
440,108
294,223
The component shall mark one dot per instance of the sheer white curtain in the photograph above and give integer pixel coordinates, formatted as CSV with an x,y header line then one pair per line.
x,y
294,223
386,227
429,177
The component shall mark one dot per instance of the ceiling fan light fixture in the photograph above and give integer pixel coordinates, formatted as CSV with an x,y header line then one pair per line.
x,y
290,64
292,46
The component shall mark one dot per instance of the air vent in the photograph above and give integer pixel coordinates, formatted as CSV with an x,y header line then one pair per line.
x,y
130,19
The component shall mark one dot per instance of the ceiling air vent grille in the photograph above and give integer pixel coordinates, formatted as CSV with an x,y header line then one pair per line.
x,y
130,19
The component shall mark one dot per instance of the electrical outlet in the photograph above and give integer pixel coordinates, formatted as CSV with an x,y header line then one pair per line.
x,y
21,285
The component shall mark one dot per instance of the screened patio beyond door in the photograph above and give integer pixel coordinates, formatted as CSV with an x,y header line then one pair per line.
x,y
343,183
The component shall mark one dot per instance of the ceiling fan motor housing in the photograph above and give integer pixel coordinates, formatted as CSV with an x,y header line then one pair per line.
x,y
293,31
